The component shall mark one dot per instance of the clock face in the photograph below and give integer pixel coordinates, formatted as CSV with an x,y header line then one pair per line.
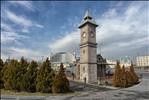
x,y
84,35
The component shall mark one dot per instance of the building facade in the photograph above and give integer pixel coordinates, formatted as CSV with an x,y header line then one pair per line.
x,y
142,61
88,45
101,68
68,60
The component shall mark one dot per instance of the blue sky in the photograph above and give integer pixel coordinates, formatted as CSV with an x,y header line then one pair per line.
x,y
36,29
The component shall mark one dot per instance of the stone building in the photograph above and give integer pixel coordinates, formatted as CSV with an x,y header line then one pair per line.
x,y
101,68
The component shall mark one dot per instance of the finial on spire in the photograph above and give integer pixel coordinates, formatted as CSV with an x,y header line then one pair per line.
x,y
87,15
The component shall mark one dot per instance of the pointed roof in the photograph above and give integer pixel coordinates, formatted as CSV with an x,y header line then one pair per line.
x,y
87,15
88,19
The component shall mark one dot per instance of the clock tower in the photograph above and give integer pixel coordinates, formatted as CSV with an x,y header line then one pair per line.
x,y
88,45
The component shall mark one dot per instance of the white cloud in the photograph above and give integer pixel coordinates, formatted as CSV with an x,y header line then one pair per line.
x,y
23,52
38,25
66,43
125,31
119,33
11,33
19,20
27,4
110,13
9,37
17,53
133,9
6,27
25,30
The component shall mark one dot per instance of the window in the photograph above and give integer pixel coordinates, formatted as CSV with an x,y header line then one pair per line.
x,y
83,69
83,51
92,34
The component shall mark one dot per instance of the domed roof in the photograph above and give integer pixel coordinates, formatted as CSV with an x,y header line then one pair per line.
x,y
63,57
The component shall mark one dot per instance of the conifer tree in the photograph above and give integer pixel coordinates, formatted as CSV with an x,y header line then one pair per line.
x,y
117,76
61,83
129,79
11,75
134,76
30,77
1,73
123,77
1,64
45,77
23,65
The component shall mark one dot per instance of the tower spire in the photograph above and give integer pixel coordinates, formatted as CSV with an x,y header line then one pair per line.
x,y
87,15
87,19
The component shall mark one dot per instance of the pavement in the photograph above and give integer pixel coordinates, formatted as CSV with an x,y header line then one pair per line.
x,y
137,92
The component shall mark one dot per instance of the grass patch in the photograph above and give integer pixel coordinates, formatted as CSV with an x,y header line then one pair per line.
x,y
22,93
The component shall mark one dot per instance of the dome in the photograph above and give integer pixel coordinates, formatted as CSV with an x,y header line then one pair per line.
x,y
63,57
